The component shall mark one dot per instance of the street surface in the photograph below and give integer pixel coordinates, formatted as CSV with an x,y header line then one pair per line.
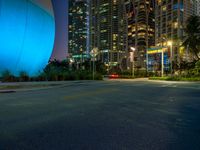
x,y
102,115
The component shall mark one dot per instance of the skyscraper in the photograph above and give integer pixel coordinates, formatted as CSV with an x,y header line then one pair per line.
x,y
171,17
77,28
141,27
196,5
108,30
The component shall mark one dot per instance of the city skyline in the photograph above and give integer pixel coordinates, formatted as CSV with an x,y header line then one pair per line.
x,y
115,26
61,42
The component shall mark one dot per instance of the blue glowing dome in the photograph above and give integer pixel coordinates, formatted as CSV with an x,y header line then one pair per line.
x,y
27,31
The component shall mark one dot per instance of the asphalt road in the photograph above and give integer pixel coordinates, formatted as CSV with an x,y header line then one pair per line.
x,y
104,115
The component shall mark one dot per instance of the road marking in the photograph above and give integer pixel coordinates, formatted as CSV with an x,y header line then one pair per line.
x,y
166,85
178,86
187,87
169,85
91,93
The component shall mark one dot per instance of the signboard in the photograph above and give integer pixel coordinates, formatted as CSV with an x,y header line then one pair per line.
x,y
154,58
94,52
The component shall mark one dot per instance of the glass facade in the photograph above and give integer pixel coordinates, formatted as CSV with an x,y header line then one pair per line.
x,y
171,19
141,28
107,30
78,28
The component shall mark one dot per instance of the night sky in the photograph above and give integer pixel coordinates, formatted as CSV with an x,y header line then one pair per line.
x,y
60,11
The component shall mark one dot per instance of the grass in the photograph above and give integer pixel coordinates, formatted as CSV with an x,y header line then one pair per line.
x,y
175,78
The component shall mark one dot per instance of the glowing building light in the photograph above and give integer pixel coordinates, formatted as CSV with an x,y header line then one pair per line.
x,y
27,35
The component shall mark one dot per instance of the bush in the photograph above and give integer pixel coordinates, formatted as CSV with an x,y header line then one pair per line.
x,y
8,77
41,77
54,71
23,76
152,74
98,76
197,68
176,78
125,73
141,73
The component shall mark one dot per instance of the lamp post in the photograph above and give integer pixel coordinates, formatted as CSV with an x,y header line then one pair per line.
x,y
93,53
132,59
162,63
81,51
71,61
169,43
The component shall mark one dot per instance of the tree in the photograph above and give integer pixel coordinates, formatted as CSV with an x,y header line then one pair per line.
x,y
192,39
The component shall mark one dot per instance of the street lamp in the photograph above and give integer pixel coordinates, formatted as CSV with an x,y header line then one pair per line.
x,y
133,49
169,43
162,62
132,58
81,51
93,53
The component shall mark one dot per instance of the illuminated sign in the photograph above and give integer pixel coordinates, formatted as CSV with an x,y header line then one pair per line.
x,y
156,50
154,57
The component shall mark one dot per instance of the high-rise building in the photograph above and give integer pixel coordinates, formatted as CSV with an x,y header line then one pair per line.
x,y
141,28
108,30
77,29
171,17
196,5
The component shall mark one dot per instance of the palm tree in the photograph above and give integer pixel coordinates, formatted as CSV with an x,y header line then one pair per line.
x,y
192,39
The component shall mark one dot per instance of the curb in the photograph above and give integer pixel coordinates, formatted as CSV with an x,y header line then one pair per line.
x,y
164,81
7,91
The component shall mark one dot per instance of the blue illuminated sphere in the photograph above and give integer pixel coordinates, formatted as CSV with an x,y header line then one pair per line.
x,y
27,31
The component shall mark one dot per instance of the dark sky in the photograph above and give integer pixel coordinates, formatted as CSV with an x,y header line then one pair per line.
x,y
60,12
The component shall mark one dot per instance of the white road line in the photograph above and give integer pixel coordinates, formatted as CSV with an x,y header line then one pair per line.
x,y
166,85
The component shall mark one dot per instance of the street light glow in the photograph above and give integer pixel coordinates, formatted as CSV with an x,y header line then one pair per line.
x,y
169,43
132,58
132,48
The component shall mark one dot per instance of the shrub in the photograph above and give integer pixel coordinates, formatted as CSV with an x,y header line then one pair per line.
x,y
141,73
176,78
23,76
98,76
8,77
